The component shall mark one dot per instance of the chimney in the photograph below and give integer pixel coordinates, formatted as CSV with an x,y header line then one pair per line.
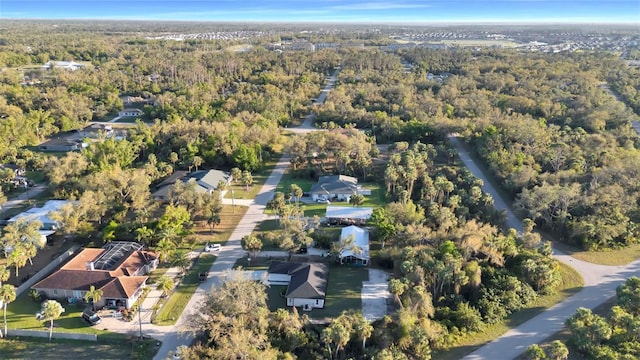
x,y
89,266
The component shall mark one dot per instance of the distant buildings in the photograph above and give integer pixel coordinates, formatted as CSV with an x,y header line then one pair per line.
x,y
65,65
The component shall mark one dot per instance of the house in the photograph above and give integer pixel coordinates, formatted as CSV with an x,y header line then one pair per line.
x,y
17,171
348,215
130,113
119,269
306,282
95,131
339,187
354,246
66,65
206,180
62,145
48,226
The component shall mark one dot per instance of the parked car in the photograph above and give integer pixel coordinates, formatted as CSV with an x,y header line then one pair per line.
x,y
302,250
323,201
203,276
212,247
91,317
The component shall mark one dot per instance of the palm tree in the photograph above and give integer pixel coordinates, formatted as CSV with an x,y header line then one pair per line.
x,y
51,310
182,260
7,295
17,258
5,273
93,295
363,328
30,250
165,248
247,179
197,161
165,284
252,243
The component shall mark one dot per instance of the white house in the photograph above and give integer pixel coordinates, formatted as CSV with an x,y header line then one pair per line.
x,y
67,65
130,112
306,282
354,246
348,215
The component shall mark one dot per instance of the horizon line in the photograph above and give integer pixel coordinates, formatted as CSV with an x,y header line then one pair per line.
x,y
298,22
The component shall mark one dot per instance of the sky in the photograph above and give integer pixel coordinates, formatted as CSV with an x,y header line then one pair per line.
x,y
348,11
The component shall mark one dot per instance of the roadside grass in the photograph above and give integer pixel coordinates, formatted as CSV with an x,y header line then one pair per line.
x,y
21,314
229,219
613,257
571,283
41,348
238,191
35,176
178,300
271,226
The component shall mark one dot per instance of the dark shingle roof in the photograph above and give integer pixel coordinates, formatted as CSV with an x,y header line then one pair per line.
x,y
335,184
308,280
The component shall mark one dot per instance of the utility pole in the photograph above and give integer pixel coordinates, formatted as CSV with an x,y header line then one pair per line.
x,y
140,320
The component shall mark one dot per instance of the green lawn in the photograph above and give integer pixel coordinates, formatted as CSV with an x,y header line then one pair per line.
x,y
259,178
39,348
179,299
288,179
571,283
613,257
35,176
268,226
21,315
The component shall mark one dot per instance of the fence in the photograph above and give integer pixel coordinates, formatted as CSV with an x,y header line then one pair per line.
x,y
46,270
55,335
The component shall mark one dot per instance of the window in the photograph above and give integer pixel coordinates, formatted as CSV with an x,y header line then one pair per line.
x,y
55,292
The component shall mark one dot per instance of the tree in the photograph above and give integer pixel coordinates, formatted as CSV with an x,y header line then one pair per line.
x,y
30,251
92,296
247,179
197,161
236,174
384,225
296,192
356,199
628,295
558,350
4,274
22,230
165,284
51,310
181,259
535,352
363,328
587,329
165,249
335,334
252,243
17,258
7,295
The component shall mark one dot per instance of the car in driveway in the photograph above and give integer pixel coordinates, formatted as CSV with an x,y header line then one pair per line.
x,y
91,317
203,276
323,201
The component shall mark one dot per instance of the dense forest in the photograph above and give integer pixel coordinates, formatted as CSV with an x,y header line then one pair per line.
x,y
545,124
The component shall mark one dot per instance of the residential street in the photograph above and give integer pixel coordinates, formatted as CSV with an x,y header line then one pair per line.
x,y
24,197
600,284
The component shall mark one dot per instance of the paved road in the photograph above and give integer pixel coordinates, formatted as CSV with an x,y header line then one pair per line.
x,y
600,284
22,198
307,124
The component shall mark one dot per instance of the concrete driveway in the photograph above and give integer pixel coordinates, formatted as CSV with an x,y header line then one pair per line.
x,y
375,294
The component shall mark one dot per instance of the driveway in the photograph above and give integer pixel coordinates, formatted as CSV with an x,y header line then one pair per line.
x,y
22,198
600,284
375,294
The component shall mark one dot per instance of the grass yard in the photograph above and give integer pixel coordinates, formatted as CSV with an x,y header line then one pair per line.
x,y
604,257
179,299
259,178
571,283
39,348
268,226
229,220
21,315
289,178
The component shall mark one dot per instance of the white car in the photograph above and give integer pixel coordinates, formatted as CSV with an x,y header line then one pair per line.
x,y
323,201
212,247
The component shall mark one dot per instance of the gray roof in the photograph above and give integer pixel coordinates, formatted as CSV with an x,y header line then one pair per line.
x,y
308,280
335,184
207,180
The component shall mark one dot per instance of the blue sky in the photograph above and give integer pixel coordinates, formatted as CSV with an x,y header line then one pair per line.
x,y
371,11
